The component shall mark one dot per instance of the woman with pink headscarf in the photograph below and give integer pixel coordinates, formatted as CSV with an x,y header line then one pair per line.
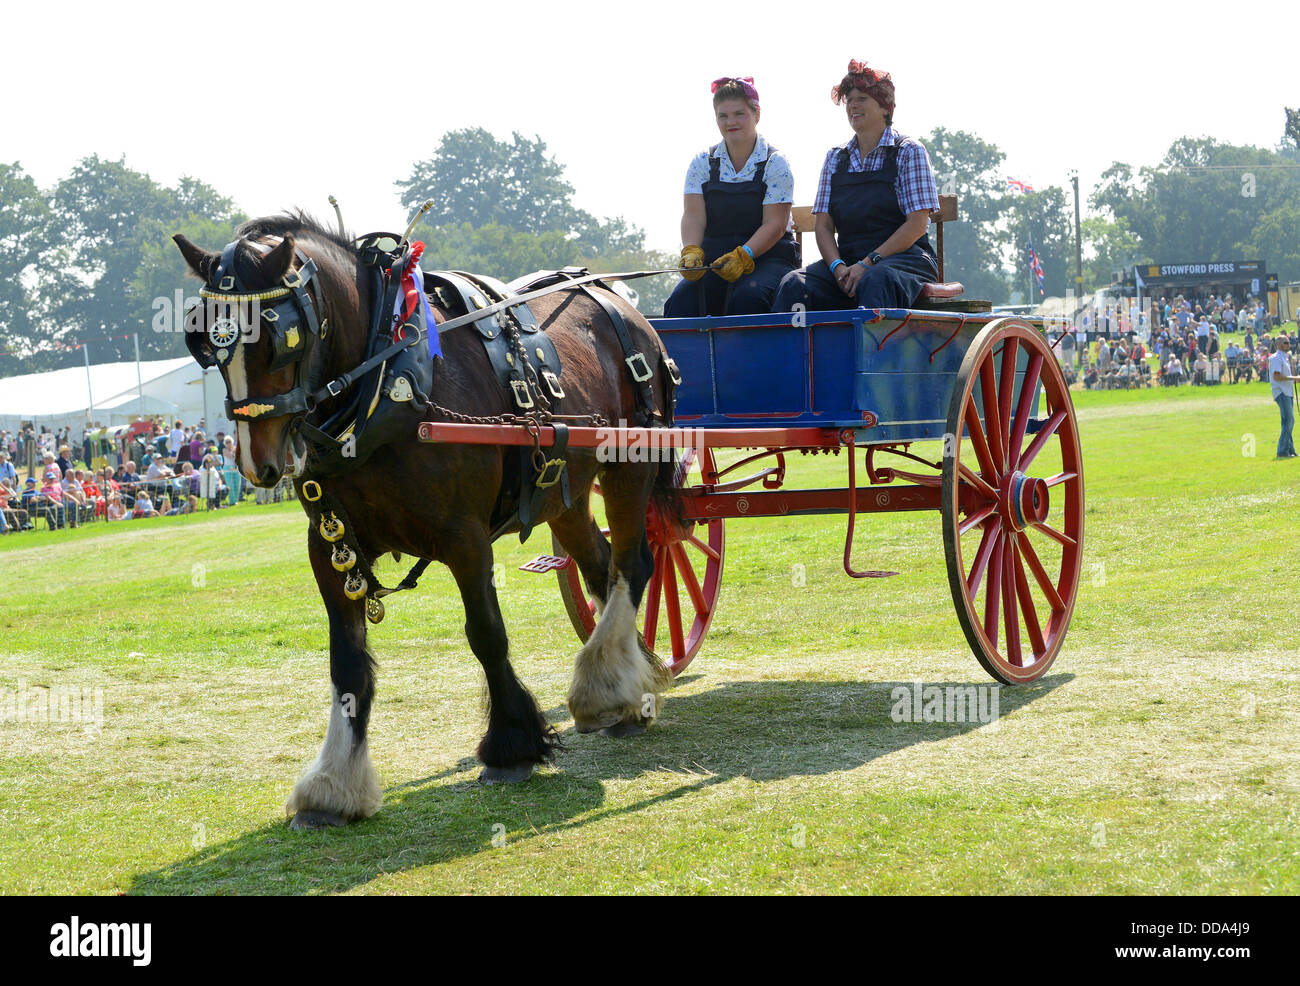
x,y
737,241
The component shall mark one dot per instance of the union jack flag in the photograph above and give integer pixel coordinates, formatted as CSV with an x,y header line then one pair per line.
x,y
1035,267
1019,186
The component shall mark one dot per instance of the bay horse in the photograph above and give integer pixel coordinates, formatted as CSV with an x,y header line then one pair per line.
x,y
435,501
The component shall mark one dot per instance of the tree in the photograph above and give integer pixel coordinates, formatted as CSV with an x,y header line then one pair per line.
x,y
970,168
475,179
1293,125
25,231
115,222
1108,247
1203,201
1045,217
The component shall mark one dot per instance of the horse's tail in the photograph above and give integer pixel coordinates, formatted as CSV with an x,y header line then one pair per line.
x,y
666,493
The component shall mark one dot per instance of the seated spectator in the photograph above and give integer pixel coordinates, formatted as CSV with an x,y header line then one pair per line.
x,y
158,470
166,509
1175,372
190,505
12,517
143,506
74,498
1200,368
51,497
94,495
116,509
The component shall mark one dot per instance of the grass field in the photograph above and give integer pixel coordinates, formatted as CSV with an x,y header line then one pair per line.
x,y
1159,754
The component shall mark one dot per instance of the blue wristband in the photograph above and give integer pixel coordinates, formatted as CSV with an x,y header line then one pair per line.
x,y
836,263
745,247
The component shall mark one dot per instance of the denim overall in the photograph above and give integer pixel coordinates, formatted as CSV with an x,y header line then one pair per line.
x,y
864,208
733,212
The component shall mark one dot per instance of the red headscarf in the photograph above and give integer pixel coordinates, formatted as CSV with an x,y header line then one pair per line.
x,y
878,85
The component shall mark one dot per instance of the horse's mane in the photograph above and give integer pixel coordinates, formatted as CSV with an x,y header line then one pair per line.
x,y
296,223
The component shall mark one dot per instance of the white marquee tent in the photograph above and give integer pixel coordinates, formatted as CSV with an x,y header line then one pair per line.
x,y
173,388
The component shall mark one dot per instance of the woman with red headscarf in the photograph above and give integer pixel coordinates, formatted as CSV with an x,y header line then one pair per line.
x,y
736,233
872,210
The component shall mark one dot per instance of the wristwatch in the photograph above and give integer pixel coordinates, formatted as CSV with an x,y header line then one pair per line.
x,y
871,259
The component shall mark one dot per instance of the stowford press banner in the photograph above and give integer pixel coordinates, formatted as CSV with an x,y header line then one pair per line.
x,y
1208,271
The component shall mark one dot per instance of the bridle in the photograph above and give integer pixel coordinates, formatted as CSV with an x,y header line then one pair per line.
x,y
295,326
292,324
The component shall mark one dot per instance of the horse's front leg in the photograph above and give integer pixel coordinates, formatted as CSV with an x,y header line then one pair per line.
x,y
340,786
518,736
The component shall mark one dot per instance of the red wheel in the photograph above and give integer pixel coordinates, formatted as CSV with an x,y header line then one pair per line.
x,y
1012,502
682,594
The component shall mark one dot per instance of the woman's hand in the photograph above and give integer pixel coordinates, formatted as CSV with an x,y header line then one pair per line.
x,y
693,258
852,275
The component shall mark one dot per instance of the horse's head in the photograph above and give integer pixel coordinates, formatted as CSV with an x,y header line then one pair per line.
x,y
261,319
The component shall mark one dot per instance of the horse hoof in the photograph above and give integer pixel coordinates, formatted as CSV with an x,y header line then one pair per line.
x,y
311,819
623,730
506,775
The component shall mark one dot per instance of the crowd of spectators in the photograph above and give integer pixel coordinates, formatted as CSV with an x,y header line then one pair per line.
x,y
161,471
1185,339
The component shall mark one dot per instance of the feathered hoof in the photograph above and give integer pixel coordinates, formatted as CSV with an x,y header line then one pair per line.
x,y
311,819
506,775
625,729
585,722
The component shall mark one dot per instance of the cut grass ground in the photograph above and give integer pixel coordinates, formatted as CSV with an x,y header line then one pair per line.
x,y
1159,755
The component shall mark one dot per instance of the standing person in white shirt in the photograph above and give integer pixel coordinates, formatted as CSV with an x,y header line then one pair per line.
x,y
1280,380
174,441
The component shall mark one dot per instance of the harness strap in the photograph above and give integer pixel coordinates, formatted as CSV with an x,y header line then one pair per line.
x,y
633,358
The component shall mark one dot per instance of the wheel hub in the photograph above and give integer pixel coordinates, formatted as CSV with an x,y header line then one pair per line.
x,y
661,530
1024,500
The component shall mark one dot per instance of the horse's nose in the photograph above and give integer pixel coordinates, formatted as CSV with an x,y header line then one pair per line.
x,y
268,475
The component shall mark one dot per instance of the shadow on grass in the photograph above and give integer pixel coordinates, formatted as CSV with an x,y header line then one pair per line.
x,y
761,730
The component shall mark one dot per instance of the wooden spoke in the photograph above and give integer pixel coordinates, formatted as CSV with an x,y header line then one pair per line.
x,y
1040,576
994,434
1010,617
1055,535
716,556
1060,477
988,541
652,592
992,593
977,518
1027,607
982,454
1007,390
1023,407
672,609
692,584
983,488
1044,433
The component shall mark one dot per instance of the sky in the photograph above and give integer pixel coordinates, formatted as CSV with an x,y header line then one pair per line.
x,y
280,106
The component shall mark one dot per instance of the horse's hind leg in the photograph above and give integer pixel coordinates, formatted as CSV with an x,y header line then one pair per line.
x,y
616,682
518,736
580,537
340,785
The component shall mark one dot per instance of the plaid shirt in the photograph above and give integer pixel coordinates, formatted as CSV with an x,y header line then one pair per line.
x,y
915,185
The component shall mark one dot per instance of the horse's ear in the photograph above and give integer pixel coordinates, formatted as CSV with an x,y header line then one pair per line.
x,y
201,261
276,263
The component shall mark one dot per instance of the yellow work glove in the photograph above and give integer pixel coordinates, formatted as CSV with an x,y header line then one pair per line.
x,y
734,265
693,257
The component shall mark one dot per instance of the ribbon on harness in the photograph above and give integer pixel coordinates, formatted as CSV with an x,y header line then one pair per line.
x,y
411,306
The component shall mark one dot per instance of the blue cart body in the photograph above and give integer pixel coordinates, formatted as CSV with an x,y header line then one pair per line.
x,y
888,374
